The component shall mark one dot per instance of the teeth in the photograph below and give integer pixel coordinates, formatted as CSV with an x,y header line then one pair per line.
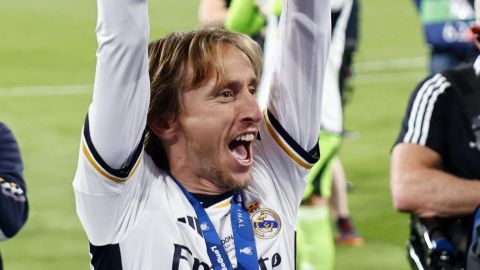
x,y
246,137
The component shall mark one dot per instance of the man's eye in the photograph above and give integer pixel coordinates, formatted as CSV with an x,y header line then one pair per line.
x,y
227,93
252,90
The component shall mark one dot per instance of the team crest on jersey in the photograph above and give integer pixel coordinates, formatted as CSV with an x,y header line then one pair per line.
x,y
266,223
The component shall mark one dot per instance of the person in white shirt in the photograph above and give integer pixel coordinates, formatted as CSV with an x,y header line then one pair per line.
x,y
178,167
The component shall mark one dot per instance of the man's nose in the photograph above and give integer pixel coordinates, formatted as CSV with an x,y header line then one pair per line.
x,y
250,108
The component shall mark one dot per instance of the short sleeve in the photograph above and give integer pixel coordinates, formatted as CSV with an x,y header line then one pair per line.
x,y
426,118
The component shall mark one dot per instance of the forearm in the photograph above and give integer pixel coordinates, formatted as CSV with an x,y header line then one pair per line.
x,y
117,115
299,72
431,192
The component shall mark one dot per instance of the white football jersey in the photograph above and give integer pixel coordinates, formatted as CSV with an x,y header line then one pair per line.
x,y
135,216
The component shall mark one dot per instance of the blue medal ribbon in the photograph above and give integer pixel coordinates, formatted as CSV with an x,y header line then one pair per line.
x,y
244,239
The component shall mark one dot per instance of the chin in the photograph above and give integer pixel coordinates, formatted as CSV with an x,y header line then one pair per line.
x,y
235,182
239,184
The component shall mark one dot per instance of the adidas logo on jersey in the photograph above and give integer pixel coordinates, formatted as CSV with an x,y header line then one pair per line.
x,y
193,223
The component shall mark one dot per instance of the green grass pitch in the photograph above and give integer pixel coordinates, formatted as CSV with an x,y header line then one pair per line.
x,y
51,44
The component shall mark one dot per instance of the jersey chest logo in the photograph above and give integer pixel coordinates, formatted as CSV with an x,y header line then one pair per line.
x,y
266,223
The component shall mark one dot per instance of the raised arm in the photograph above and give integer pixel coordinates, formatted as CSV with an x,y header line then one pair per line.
x,y
112,142
299,72
117,115
13,202
292,115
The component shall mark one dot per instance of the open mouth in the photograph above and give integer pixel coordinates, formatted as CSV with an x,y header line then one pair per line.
x,y
240,147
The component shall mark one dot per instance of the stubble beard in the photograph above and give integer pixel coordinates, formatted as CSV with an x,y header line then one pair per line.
x,y
221,179
219,176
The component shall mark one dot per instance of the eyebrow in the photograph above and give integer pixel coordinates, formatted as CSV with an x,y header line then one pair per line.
x,y
252,81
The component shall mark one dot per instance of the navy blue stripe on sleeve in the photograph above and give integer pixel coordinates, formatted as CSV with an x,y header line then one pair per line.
x,y
120,173
311,156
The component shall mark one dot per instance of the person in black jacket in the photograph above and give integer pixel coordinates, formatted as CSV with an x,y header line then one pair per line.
x,y
13,200
435,172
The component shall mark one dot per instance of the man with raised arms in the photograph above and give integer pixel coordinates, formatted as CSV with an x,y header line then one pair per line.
x,y
178,168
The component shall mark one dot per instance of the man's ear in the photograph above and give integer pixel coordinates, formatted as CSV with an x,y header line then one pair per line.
x,y
165,129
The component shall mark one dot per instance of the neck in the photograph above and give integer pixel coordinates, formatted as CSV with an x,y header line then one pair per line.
x,y
198,185
191,177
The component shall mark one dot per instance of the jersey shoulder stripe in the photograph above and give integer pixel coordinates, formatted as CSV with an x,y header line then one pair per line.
x,y
287,143
422,109
116,175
